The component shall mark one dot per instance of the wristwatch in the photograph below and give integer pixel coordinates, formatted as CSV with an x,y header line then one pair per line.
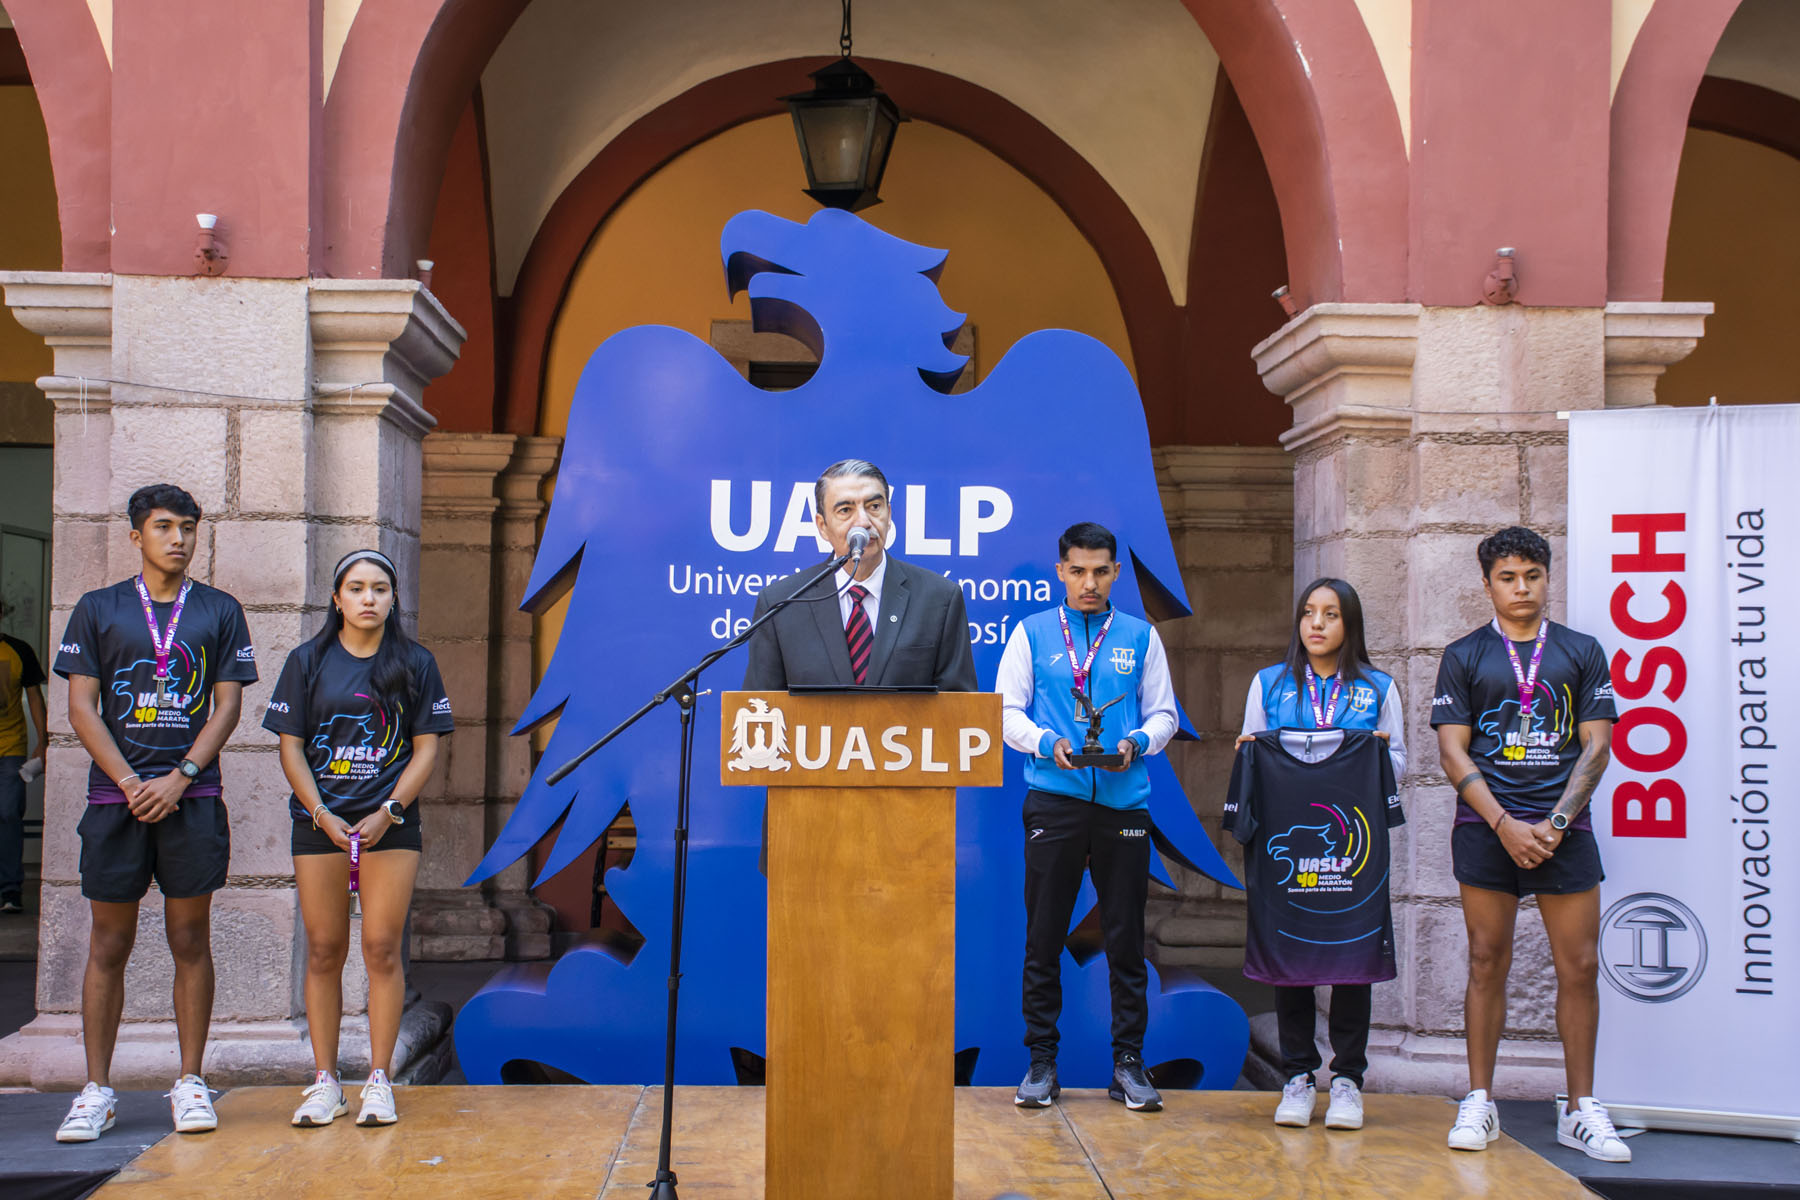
x,y
395,810
1559,820
188,769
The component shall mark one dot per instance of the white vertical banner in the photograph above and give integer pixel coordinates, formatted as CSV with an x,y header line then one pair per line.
x,y
1684,542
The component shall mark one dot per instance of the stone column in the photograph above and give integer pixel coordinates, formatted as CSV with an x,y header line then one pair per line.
x,y
522,506
481,509
1417,431
1230,512
237,390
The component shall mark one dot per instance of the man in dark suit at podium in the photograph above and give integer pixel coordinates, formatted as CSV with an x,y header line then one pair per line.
x,y
898,625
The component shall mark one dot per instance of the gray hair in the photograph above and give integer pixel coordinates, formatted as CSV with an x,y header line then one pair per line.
x,y
840,469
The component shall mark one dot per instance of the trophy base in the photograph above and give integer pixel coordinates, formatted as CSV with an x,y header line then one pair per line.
x,y
1097,760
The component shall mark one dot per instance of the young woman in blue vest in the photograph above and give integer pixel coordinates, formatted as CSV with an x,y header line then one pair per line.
x,y
1326,681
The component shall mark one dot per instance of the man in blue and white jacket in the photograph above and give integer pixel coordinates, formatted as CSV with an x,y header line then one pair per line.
x,y
1086,818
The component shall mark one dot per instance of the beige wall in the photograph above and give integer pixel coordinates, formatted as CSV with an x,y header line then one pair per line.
x,y
30,237
1732,241
1016,261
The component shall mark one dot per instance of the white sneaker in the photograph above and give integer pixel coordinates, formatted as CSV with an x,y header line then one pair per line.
x,y
324,1102
90,1116
1296,1107
190,1101
1477,1122
1346,1105
1589,1129
377,1101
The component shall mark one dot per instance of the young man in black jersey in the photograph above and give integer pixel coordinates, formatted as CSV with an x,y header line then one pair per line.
x,y
156,667
1524,713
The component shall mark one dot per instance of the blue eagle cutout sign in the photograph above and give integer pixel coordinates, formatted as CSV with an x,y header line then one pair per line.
x,y
683,490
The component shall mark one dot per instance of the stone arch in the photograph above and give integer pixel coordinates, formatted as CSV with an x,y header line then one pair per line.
x,y
74,91
405,76
1649,124
720,103
1306,70
1313,88
1748,111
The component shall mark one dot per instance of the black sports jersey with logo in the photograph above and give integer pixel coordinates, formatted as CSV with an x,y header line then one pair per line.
x,y
1316,855
356,745
108,638
1476,687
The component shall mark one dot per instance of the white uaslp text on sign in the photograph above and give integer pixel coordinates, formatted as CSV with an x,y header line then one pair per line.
x,y
740,518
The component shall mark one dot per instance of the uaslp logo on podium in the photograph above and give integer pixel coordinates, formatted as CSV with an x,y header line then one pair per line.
x,y
761,734
759,738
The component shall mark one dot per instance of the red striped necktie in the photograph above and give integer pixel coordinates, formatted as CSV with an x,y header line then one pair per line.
x,y
858,634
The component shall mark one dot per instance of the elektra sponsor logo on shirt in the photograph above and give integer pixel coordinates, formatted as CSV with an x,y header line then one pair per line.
x,y
441,706
247,654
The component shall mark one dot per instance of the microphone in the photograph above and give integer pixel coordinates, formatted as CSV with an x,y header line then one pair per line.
x,y
859,543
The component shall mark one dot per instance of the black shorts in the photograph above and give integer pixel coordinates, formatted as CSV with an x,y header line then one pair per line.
x,y
187,852
1480,861
310,839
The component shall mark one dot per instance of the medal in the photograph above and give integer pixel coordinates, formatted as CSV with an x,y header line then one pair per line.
x,y
163,642
1527,685
1322,716
1087,665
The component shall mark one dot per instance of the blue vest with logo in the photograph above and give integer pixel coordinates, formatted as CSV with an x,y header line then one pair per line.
x,y
1285,705
1116,672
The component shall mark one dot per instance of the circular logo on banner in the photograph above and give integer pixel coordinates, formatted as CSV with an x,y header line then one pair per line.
x,y
1652,947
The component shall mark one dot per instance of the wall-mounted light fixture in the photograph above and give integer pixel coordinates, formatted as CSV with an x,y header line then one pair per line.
x,y
209,251
1502,286
1286,301
424,266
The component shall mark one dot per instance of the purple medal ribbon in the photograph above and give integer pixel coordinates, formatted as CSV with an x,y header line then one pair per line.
x,y
1087,665
1527,682
1322,716
355,866
164,643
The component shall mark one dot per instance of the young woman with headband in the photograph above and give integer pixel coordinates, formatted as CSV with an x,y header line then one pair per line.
x,y
360,709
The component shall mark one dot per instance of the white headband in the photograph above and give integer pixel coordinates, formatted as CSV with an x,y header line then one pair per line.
x,y
356,556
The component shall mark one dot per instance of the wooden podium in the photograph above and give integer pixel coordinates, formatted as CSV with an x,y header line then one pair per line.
x,y
862,929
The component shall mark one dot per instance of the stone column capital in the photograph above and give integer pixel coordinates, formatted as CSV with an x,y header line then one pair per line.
x,y
534,458
1226,487
376,344
460,472
1343,367
73,312
1643,339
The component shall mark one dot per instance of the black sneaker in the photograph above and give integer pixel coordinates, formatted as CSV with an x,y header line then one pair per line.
x,y
1040,1086
1132,1087
10,903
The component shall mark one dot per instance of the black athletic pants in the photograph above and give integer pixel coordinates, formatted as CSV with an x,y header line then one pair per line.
x,y
1348,1023
1063,837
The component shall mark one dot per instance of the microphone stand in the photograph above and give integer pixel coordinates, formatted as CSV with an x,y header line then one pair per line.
x,y
683,693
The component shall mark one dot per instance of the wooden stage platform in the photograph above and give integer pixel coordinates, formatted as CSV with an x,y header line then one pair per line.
x,y
472,1143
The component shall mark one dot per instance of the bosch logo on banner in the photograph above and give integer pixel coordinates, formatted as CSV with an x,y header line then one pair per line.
x,y
1654,804
1652,947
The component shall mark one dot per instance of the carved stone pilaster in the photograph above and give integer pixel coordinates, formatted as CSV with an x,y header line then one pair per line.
x,y
1644,339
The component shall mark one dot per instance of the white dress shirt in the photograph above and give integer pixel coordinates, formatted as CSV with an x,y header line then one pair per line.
x,y
871,603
